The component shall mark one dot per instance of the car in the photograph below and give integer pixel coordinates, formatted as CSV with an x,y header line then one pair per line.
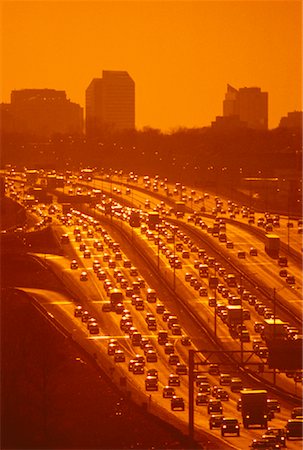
x,y
169,348
174,380
262,351
253,251
176,330
290,279
203,292
230,425
188,276
263,444
119,355
236,384
204,387
185,340
297,412
258,327
273,405
151,383
181,369
229,244
244,336
222,394
214,369
294,428
152,373
173,359
241,255
74,264
214,406
225,379
283,273
177,403
160,308
86,254
83,276
246,314
112,347
93,328
138,368
202,399
78,311
151,356
107,307
215,421
101,275
278,433
212,301
168,392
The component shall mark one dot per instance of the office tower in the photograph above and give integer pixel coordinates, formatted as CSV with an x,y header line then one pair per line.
x,y
292,120
110,103
45,112
250,105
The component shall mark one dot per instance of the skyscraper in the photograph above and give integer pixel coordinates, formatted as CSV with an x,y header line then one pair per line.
x,y
250,105
110,103
45,112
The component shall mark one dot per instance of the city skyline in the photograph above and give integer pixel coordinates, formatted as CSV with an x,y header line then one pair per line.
x,y
181,55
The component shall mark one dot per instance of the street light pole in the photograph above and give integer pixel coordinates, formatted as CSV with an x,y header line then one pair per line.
x,y
191,356
215,317
241,332
174,234
274,333
158,239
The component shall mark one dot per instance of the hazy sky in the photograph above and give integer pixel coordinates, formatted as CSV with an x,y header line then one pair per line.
x,y
181,54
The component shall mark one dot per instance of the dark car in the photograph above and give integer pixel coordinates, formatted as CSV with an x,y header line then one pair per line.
x,y
215,421
177,403
263,444
279,434
296,412
214,406
230,425
202,399
273,405
294,428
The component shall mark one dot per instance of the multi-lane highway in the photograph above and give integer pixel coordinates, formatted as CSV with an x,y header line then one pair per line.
x,y
101,251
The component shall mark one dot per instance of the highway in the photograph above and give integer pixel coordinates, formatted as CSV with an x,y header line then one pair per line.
x,y
195,317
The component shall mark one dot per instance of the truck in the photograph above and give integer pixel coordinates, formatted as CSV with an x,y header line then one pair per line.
x,y
272,245
274,329
234,315
153,219
179,209
134,219
116,296
66,207
254,407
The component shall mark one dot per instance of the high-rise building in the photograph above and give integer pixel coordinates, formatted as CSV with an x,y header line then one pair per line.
x,y
110,103
45,112
250,105
292,120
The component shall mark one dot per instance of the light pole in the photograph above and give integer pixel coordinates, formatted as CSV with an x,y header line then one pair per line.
x,y
158,239
241,333
215,316
174,234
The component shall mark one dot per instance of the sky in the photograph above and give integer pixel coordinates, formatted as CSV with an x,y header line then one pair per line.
x,y
181,54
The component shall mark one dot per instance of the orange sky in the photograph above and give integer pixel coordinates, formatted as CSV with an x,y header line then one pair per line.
x,y
181,54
